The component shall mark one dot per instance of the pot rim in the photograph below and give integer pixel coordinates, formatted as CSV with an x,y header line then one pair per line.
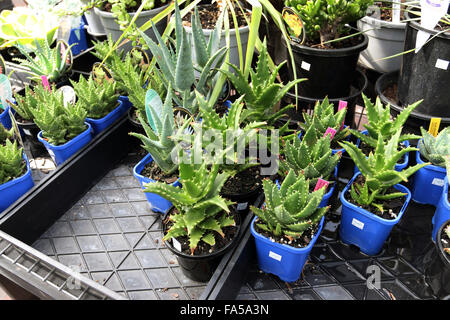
x,y
207,256
382,23
143,13
417,26
68,143
19,179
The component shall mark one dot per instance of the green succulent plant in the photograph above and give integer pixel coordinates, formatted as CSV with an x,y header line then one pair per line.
x,y
435,149
157,140
31,100
326,20
98,98
48,62
379,171
12,164
262,93
324,117
202,212
101,50
59,123
176,65
6,134
310,156
379,122
290,209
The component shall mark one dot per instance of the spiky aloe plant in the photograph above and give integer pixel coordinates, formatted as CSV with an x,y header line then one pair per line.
x,y
176,65
59,123
379,171
31,100
290,209
223,129
202,212
262,93
6,134
157,140
12,164
324,117
48,62
379,122
98,98
435,149
310,156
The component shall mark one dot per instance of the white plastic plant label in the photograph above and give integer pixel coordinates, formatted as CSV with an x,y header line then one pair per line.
x,y
442,64
275,256
5,91
27,132
305,65
431,12
242,206
176,244
396,11
69,95
438,182
358,224
50,152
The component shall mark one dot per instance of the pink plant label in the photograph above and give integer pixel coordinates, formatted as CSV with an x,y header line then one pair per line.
x,y
342,105
331,132
45,83
320,184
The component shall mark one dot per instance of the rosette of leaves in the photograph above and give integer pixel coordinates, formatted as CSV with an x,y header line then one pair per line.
x,y
59,123
47,62
290,209
326,20
379,171
202,212
310,156
379,122
176,65
98,98
157,141
262,92
6,134
30,101
11,162
435,149
323,118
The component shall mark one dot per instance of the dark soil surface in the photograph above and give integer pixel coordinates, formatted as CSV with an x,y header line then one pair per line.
x,y
392,206
301,242
210,13
391,92
221,109
107,6
346,43
386,11
152,171
243,182
204,248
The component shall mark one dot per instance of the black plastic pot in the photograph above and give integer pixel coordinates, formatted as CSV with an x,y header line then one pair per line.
x,y
437,272
201,268
416,119
422,76
358,85
30,131
243,200
330,72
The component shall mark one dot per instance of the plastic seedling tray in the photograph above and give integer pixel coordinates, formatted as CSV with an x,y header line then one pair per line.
x,y
338,271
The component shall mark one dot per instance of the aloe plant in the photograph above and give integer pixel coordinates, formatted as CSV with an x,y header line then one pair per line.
x,y
6,134
379,171
379,122
177,67
262,93
201,212
311,156
59,123
324,117
48,62
435,149
159,128
290,209
31,100
98,98
12,164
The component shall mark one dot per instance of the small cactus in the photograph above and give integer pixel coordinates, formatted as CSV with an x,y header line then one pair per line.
x,y
435,149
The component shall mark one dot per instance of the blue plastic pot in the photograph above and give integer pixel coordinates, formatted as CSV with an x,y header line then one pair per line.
x,y
363,228
427,183
5,119
78,37
282,260
157,203
99,125
63,152
327,195
442,212
398,167
126,103
14,189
